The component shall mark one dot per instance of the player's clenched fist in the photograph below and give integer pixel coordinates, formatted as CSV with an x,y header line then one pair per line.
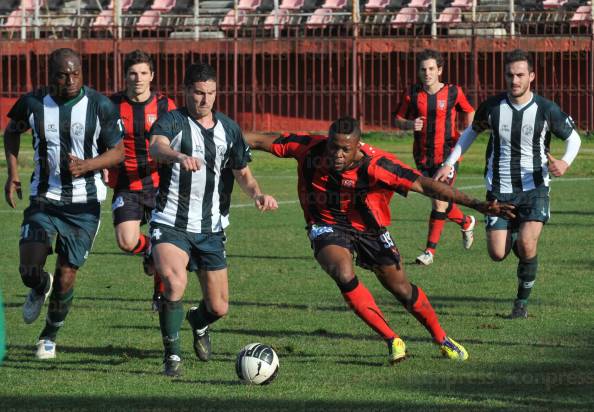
x,y
188,163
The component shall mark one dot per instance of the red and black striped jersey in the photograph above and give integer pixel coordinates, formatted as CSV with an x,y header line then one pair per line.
x,y
439,135
138,171
357,198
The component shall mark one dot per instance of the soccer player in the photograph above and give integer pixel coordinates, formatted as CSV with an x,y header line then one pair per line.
x,y
345,187
76,133
518,166
201,153
136,180
429,108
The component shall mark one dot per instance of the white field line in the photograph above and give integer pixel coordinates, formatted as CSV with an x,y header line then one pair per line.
x,y
291,202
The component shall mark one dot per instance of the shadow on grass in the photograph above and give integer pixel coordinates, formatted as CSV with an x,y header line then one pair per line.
x,y
244,402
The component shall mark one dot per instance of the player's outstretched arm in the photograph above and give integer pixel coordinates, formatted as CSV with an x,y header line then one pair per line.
x,y
260,142
109,158
250,186
161,152
447,193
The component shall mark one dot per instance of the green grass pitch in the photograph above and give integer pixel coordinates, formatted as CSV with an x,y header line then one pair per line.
x,y
109,352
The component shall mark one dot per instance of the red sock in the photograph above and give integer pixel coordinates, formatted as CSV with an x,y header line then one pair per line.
x,y
422,310
456,215
436,222
159,285
142,245
362,302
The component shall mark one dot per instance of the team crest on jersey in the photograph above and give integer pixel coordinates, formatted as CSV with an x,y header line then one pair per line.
x,y
527,130
151,118
441,104
77,129
348,183
221,151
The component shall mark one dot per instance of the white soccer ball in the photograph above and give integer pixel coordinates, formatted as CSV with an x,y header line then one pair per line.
x,y
256,363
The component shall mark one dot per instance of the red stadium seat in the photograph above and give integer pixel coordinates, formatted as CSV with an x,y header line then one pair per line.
x,y
319,19
150,20
376,5
463,4
163,6
449,16
581,17
553,4
420,4
405,18
283,18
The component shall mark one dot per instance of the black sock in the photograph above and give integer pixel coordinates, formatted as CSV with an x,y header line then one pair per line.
x,y
201,318
526,277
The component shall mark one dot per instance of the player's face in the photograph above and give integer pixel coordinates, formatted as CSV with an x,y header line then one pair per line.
x,y
200,98
138,79
342,151
429,72
518,78
66,78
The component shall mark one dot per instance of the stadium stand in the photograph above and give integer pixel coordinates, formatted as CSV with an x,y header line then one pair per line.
x,y
582,16
406,18
331,12
240,15
450,16
151,18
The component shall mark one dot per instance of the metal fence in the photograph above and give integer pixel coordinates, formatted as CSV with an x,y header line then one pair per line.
x,y
303,83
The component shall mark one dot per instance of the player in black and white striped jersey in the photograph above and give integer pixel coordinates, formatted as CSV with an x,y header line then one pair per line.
x,y
77,132
518,166
201,152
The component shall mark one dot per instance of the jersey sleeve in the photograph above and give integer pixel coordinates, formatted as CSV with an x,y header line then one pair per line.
x,y
167,126
404,107
292,145
561,124
19,114
462,103
393,174
240,154
112,129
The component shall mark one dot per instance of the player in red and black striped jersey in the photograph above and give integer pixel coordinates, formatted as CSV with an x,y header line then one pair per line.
x,y
345,187
136,180
430,108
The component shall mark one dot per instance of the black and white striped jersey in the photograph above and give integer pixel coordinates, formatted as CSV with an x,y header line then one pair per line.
x,y
199,201
85,127
520,138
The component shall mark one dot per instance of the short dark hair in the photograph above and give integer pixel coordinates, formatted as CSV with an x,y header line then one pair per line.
x,y
430,54
199,72
136,57
345,125
519,55
58,55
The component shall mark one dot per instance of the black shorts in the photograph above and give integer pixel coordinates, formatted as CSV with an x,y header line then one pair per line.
x,y
132,205
531,206
205,250
430,172
371,250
